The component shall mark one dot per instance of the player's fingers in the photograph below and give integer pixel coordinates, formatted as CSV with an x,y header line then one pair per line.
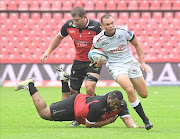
x,y
141,126
42,60
142,68
46,57
147,69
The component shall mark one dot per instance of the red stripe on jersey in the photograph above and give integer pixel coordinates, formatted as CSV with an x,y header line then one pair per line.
x,y
81,109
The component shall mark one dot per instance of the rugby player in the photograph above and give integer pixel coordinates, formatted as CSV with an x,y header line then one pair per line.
x,y
96,111
82,30
122,65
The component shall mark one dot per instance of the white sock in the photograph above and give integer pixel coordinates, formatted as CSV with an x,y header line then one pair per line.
x,y
134,104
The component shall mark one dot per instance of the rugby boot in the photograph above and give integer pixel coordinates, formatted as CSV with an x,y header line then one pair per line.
x,y
23,84
63,76
148,125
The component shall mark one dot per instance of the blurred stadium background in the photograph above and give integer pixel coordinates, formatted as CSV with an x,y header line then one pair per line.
x,y
28,26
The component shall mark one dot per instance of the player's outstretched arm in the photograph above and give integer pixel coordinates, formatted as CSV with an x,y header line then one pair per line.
x,y
130,123
53,45
102,123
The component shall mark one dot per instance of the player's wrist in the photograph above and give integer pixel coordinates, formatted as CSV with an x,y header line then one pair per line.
x,y
48,51
134,126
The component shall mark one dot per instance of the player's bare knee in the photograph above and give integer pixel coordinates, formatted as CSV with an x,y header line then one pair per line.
x,y
144,95
44,114
129,90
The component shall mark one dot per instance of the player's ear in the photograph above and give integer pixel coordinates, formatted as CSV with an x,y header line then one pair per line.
x,y
108,98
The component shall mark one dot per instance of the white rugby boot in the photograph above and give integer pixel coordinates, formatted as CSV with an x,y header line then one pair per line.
x,y
23,84
63,76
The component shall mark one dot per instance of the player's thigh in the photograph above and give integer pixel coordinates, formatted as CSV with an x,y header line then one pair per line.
x,y
77,75
140,86
63,110
124,81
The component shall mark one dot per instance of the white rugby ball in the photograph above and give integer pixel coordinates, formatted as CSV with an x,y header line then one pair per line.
x,y
96,54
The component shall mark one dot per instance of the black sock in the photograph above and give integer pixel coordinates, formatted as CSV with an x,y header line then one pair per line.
x,y
32,88
141,113
65,87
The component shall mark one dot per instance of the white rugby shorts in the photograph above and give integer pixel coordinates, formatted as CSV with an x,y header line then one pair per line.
x,y
132,69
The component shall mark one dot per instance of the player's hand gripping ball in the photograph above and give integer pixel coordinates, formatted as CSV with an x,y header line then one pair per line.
x,y
96,54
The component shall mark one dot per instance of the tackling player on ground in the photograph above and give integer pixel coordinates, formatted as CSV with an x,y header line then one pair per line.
x,y
123,67
95,111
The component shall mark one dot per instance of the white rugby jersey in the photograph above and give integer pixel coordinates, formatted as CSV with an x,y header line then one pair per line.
x,y
116,47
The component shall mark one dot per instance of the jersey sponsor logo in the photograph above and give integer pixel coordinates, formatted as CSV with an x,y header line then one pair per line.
x,y
55,111
71,31
120,38
80,35
70,23
130,33
105,43
89,33
91,27
120,48
81,43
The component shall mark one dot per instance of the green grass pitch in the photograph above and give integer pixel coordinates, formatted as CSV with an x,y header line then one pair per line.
x,y
19,118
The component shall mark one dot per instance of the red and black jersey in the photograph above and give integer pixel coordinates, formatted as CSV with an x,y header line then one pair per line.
x,y
93,109
82,37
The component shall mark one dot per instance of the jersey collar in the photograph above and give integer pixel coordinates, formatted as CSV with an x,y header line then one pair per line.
x,y
87,23
110,35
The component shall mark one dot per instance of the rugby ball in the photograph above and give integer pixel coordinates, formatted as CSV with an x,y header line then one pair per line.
x,y
96,54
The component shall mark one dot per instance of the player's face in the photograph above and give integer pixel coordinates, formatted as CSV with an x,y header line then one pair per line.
x,y
79,22
109,26
114,104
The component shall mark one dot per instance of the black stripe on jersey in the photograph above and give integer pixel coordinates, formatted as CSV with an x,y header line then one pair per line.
x,y
132,38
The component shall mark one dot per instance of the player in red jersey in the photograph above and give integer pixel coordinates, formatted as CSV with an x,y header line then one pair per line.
x,y
81,30
95,111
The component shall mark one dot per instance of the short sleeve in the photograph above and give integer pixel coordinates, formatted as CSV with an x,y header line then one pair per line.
x,y
95,42
63,32
98,28
124,111
94,113
129,35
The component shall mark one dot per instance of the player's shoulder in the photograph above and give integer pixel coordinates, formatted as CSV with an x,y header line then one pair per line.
x,y
69,23
124,103
93,22
94,25
98,37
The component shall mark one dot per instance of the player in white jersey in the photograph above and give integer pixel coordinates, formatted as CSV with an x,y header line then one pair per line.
x,y
123,67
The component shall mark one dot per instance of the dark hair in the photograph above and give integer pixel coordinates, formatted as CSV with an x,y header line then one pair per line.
x,y
78,11
116,94
107,16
